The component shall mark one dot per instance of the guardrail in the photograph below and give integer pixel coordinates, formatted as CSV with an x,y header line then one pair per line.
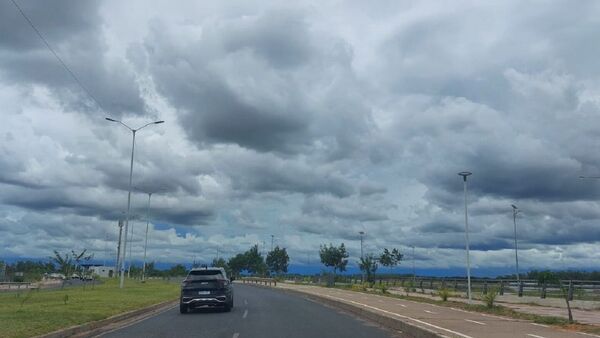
x,y
14,285
259,280
576,289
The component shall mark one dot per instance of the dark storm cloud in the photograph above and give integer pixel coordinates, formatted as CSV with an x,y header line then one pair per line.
x,y
73,29
265,82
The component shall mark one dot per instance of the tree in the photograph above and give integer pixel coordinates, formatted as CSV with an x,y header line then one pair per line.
x,y
547,277
368,264
255,264
277,260
220,263
390,258
177,270
334,257
236,264
64,263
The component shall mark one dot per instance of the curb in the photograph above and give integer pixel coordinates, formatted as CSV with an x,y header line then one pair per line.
x,y
97,327
383,320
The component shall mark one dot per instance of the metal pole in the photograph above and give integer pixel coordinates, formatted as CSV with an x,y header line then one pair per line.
x,y
118,262
146,241
130,247
413,262
272,242
464,175
515,212
122,281
361,255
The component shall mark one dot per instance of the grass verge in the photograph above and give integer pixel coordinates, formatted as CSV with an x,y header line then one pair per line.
x,y
494,310
32,313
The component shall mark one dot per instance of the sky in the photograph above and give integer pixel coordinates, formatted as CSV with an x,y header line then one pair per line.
x,y
304,123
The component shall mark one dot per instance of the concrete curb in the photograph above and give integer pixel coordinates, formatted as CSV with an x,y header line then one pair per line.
x,y
381,319
96,327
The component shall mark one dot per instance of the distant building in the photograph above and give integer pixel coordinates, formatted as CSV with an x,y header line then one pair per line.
x,y
102,271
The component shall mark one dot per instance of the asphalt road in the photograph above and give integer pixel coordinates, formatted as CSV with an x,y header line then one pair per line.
x,y
258,313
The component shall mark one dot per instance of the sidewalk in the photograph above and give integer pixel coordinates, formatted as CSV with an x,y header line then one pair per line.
x,y
558,308
445,321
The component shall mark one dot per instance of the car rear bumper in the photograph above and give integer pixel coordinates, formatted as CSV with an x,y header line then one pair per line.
x,y
204,301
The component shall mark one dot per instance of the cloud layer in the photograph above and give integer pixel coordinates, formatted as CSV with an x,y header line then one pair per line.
x,y
309,122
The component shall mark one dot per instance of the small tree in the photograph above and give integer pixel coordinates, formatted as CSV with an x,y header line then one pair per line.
x,y
255,264
278,260
368,265
220,263
390,259
334,257
546,277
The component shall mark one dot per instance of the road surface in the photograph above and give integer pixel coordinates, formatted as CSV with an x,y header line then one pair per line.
x,y
258,313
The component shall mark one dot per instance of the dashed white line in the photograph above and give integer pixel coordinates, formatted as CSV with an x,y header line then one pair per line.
x,y
401,305
433,313
402,316
245,302
536,324
474,321
245,314
236,335
534,335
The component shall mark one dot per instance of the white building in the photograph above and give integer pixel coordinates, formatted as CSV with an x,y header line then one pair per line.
x,y
103,271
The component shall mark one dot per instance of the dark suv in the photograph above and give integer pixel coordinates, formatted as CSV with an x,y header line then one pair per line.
x,y
206,287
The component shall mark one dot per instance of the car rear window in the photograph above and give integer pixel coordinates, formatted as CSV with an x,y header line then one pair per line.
x,y
205,274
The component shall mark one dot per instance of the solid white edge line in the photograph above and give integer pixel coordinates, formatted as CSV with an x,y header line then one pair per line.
x,y
135,321
474,321
245,314
534,335
541,325
402,316
588,334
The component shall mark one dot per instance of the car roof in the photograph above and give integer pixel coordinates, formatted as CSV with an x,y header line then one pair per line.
x,y
208,268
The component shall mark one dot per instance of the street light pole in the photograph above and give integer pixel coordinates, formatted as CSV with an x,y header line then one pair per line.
x,y
272,237
464,175
133,132
361,233
130,247
146,241
413,262
515,212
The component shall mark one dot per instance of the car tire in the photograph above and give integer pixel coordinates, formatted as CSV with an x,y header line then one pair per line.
x,y
183,309
228,307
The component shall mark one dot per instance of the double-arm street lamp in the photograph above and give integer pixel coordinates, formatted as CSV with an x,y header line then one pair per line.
x,y
464,175
133,132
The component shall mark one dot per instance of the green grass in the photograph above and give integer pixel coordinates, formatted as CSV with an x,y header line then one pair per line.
x,y
33,313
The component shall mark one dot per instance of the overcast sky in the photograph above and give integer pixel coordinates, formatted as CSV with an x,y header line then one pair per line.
x,y
310,122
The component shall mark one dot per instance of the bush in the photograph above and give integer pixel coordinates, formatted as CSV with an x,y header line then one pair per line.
x,y
359,287
381,287
490,297
444,293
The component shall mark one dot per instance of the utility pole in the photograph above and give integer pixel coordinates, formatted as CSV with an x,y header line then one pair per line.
x,y
362,275
515,212
272,237
119,262
413,262
130,246
464,175
146,241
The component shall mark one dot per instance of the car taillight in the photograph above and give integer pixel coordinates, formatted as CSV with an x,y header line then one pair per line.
x,y
185,283
223,283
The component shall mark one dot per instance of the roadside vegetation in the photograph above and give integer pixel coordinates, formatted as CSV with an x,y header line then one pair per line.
x,y
34,312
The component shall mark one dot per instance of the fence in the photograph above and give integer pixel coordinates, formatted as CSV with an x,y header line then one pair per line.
x,y
258,280
4,286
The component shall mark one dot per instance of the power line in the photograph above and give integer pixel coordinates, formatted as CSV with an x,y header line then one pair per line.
x,y
58,57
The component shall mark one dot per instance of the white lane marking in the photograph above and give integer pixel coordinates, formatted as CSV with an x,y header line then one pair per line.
x,y
433,313
236,335
401,305
534,336
536,324
588,334
474,321
245,302
245,314
402,316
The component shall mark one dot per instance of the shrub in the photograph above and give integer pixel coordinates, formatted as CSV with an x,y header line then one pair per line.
x,y
444,293
381,287
359,287
490,297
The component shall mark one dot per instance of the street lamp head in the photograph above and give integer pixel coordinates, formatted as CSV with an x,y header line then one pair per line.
x,y
159,122
464,174
361,233
111,120
514,206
